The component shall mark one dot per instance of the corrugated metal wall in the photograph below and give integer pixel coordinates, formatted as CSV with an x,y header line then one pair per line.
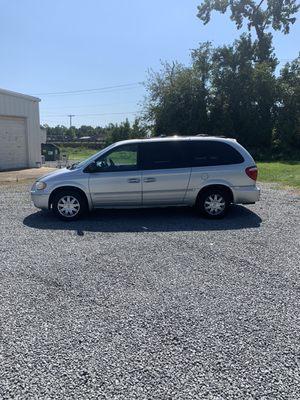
x,y
24,107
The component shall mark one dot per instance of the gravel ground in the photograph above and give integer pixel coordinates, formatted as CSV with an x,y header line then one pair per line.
x,y
150,304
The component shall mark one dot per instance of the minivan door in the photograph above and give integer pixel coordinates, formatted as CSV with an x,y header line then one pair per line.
x,y
165,172
115,178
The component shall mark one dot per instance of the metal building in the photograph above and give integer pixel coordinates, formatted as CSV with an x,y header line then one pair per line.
x,y
20,133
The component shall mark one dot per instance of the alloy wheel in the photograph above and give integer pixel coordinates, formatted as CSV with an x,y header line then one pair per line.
x,y
68,206
214,204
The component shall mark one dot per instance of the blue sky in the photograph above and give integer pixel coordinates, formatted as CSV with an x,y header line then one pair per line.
x,y
64,45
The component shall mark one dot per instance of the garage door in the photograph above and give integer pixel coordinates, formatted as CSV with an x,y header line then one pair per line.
x,y
13,144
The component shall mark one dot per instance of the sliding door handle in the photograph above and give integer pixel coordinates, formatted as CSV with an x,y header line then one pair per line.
x,y
149,180
134,180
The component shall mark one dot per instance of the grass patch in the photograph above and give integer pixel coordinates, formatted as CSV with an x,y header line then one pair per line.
x,y
78,153
285,173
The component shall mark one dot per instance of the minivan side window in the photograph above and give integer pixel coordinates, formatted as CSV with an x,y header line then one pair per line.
x,y
164,155
121,158
210,153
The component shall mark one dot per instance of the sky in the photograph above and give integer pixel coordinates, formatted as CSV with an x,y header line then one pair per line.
x,y
69,45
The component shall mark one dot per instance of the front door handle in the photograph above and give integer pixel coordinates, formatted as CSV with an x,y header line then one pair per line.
x,y
149,180
133,180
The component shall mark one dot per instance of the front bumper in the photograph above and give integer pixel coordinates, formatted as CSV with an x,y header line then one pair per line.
x,y
40,199
245,194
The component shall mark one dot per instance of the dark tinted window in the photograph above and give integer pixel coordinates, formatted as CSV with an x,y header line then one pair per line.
x,y
163,155
205,152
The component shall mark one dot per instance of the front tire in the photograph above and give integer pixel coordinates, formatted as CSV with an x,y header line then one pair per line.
x,y
68,205
213,203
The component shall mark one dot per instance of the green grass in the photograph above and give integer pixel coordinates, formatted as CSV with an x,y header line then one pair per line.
x,y
81,153
78,153
284,173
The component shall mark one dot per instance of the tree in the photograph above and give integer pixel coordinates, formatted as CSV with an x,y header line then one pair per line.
x,y
110,133
177,101
262,15
124,131
243,94
224,92
286,134
85,130
278,14
138,130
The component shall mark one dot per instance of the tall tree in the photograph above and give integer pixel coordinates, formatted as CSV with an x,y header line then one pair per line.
x,y
177,100
224,92
286,134
262,15
138,130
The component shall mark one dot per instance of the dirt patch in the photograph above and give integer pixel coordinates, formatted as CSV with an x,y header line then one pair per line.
x,y
24,174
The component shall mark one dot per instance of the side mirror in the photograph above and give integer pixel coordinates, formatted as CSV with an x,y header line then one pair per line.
x,y
91,167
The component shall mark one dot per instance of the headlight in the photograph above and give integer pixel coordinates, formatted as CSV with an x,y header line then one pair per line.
x,y
40,185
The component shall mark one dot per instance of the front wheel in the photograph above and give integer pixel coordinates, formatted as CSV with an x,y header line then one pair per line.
x,y
68,205
213,203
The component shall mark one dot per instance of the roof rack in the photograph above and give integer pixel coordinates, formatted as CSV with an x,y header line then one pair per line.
x,y
207,135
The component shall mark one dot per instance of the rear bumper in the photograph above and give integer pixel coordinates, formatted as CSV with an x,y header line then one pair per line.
x,y
245,194
40,200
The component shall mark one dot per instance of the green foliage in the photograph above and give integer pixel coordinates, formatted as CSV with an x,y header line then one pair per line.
x,y
225,91
233,90
278,14
177,100
107,135
286,133
263,15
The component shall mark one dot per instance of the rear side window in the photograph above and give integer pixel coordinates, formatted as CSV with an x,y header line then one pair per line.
x,y
164,155
209,153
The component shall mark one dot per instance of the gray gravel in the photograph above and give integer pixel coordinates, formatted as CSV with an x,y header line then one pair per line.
x,y
150,304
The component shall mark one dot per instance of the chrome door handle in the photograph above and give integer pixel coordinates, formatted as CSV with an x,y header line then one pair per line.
x,y
149,180
133,180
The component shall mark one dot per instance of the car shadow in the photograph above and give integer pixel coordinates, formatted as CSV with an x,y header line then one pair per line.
x,y
172,219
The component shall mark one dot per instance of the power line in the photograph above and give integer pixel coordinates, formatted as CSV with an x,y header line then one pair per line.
x,y
78,91
96,93
89,115
87,105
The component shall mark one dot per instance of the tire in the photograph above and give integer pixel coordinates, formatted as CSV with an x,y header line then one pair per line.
x,y
213,203
69,205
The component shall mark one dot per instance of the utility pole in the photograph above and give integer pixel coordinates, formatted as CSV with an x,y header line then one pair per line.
x,y
70,116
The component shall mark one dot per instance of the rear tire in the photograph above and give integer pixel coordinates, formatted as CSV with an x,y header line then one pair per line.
x,y
69,205
213,203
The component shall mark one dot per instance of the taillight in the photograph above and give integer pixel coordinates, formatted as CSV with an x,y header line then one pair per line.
x,y
252,172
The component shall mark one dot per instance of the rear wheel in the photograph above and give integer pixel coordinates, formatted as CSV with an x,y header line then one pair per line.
x,y
68,205
213,203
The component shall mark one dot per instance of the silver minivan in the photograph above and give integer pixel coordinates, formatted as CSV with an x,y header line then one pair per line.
x,y
208,173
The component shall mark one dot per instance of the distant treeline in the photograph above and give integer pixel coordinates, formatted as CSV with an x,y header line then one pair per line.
x,y
82,144
106,135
